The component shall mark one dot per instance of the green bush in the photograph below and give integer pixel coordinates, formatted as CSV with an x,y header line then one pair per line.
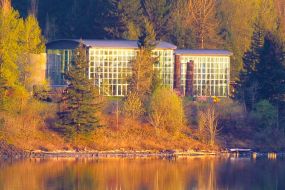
x,y
264,114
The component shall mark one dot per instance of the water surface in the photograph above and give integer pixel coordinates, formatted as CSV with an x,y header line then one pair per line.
x,y
114,174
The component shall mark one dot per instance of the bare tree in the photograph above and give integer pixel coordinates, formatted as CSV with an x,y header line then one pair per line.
x,y
208,124
50,28
34,8
5,5
203,19
212,118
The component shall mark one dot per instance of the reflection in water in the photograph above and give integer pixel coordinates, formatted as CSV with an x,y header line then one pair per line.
x,y
130,174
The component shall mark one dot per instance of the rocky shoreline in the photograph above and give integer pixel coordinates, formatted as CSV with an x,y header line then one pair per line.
x,y
116,154
8,151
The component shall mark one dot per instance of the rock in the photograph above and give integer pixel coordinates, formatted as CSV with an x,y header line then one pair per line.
x,y
10,151
42,148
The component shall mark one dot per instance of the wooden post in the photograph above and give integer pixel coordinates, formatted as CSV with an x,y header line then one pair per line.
x,y
189,78
177,73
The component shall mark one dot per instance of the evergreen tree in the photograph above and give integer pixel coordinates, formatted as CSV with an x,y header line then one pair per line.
x,y
147,38
81,99
270,72
127,15
133,14
180,32
118,25
158,13
237,20
247,86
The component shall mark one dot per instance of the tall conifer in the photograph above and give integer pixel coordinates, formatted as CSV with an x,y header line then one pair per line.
x,y
247,86
81,99
270,72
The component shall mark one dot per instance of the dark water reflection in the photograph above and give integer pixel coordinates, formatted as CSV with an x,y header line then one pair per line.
x,y
130,174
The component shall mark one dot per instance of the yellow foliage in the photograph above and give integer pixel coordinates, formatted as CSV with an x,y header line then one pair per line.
x,y
166,110
133,106
142,73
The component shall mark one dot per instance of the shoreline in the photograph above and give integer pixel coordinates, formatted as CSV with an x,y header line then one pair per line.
x,y
118,154
136,154
107,154
8,151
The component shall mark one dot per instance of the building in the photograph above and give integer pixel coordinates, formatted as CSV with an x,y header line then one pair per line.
x,y
209,72
109,62
193,72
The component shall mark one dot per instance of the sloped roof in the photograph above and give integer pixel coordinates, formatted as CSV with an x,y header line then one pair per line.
x,y
201,52
126,44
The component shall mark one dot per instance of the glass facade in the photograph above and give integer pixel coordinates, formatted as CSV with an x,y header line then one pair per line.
x,y
211,75
108,67
57,64
111,67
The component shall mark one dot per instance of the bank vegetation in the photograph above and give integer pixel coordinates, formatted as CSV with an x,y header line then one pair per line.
x,y
152,116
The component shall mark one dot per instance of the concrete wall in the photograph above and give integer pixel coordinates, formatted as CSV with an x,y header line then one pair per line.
x,y
38,67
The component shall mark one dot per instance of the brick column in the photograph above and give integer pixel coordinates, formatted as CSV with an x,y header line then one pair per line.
x,y
189,79
177,73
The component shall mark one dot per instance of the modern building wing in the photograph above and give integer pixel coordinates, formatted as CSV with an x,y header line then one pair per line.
x,y
193,72
110,62
210,71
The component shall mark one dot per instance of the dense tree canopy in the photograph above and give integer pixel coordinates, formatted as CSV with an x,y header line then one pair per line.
x,y
19,38
189,24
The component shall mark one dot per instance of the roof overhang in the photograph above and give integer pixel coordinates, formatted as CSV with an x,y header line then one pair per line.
x,y
119,44
203,52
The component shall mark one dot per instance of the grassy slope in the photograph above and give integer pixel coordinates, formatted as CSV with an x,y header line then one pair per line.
x,y
31,130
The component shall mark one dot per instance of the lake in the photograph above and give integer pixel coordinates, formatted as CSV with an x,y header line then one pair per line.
x,y
203,173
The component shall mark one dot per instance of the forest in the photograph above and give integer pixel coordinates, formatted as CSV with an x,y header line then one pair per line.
x,y
151,117
214,24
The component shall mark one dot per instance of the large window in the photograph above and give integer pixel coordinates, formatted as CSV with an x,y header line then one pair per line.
x,y
110,68
211,75
165,66
57,64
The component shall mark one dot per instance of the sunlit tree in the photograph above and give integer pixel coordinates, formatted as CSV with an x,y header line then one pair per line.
x,y
81,99
31,43
166,110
